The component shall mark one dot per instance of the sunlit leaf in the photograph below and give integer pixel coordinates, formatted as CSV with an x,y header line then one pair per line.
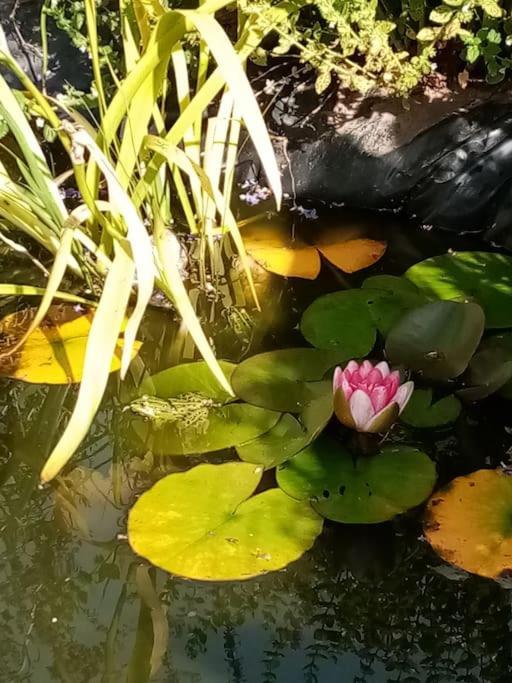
x,y
203,524
349,255
192,425
473,275
286,379
277,248
340,321
188,377
421,412
468,523
437,339
290,435
366,490
55,352
389,298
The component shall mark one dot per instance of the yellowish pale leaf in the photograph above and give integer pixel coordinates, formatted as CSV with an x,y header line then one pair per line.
x,y
468,523
53,353
274,247
353,255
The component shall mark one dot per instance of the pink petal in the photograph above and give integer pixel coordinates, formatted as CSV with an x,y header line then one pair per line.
x,y
392,382
356,378
379,398
337,379
365,369
384,368
346,388
403,394
361,408
352,366
374,377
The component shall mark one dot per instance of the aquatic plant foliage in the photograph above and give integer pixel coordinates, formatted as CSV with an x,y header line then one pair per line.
x,y
358,490
225,532
53,353
278,249
469,523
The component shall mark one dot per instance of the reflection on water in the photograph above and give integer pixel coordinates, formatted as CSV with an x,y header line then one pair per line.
x,y
367,604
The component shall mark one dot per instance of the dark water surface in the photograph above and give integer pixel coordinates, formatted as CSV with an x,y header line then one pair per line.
x,y
366,604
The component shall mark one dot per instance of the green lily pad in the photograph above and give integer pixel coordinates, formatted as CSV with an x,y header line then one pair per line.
x,y
468,523
489,371
290,435
421,412
437,339
476,275
389,298
218,428
363,491
340,321
188,378
203,524
284,380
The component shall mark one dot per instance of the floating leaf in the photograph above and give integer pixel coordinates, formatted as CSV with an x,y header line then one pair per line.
x,y
469,523
437,339
390,298
363,491
204,525
290,435
194,426
54,353
346,251
489,371
188,377
278,249
340,321
483,276
421,412
284,380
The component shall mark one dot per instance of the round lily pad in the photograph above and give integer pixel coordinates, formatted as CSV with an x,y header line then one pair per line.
x,y
203,524
489,371
469,523
284,380
476,275
421,412
55,352
340,321
366,490
290,435
390,297
205,430
437,339
188,377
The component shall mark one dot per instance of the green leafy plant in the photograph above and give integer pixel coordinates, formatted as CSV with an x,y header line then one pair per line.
x,y
133,171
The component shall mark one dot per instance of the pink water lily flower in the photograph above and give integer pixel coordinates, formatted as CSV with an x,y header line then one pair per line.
x,y
369,398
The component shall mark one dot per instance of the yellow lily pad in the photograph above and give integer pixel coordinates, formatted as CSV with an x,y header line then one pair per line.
x,y
206,524
349,253
469,523
277,250
276,247
55,352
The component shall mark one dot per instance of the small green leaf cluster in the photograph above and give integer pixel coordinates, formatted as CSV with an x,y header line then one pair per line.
x,y
372,44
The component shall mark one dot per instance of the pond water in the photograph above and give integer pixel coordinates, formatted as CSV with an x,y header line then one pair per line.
x,y
368,603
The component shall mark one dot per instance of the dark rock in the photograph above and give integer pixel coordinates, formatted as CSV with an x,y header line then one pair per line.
x,y
21,22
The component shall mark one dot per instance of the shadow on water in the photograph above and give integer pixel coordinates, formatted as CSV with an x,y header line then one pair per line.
x,y
366,604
